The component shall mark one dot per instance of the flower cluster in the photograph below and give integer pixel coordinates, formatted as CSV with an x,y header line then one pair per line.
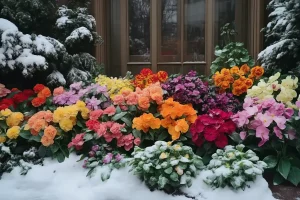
x,y
115,85
163,166
264,117
94,95
42,92
146,77
3,91
77,142
190,88
141,97
239,79
213,127
283,92
67,116
145,122
11,128
234,168
177,117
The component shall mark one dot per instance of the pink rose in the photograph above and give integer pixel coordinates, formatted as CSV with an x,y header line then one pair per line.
x,y
111,110
94,115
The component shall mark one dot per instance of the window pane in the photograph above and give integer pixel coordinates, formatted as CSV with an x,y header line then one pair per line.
x,y
194,49
170,31
139,30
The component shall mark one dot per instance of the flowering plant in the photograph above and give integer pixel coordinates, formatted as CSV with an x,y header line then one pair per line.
x,y
239,80
165,166
3,91
190,89
94,95
234,168
103,156
146,77
213,127
10,123
284,92
42,93
115,85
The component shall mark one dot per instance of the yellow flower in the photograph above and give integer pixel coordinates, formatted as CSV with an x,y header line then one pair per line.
x,y
290,83
13,132
14,119
163,156
6,112
179,170
85,113
274,78
80,104
2,139
66,124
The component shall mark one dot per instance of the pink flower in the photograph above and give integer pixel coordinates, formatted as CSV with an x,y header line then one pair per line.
x,y
92,125
58,91
109,124
278,132
126,141
263,133
94,115
254,124
118,157
241,118
118,100
111,110
248,101
268,103
292,134
116,128
108,158
251,110
3,90
132,99
77,142
280,121
101,130
243,135
137,141
289,112
123,107
265,119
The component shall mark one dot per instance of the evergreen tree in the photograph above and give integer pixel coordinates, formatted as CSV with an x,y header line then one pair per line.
x,y
282,34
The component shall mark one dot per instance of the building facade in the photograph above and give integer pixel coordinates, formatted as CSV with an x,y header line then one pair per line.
x,y
172,35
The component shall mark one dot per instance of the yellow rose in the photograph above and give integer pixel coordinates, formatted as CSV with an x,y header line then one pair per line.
x,y
13,132
6,112
2,139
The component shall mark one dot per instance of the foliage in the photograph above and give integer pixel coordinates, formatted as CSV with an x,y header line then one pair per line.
x,y
234,168
282,37
165,166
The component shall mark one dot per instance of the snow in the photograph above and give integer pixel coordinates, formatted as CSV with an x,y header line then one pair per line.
x,y
68,180
42,44
62,21
277,11
80,33
5,25
270,49
56,77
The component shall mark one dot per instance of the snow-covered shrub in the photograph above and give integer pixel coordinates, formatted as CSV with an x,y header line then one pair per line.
x,y
282,36
234,168
165,166
25,161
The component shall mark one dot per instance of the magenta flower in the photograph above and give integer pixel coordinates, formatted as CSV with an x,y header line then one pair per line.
x,y
92,103
263,133
243,135
265,119
278,132
77,142
107,159
118,157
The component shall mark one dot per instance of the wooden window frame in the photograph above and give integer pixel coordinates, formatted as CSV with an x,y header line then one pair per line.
x,y
101,12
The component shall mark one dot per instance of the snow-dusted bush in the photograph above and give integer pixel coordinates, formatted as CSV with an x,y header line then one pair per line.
x,y
234,168
25,161
165,166
282,36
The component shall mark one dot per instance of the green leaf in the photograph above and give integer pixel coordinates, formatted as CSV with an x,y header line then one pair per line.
x,y
239,44
60,156
245,59
137,133
271,161
54,148
278,179
294,176
79,124
251,63
284,167
132,108
236,137
64,150
118,116
162,136
35,138
42,151
88,137
232,64
126,121
174,176
168,170
118,110
25,134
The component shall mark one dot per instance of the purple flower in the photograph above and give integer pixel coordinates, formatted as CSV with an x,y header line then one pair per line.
x,y
95,148
108,158
118,157
67,98
91,153
92,103
76,86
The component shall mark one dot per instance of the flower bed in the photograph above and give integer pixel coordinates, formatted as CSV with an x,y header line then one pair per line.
x,y
168,129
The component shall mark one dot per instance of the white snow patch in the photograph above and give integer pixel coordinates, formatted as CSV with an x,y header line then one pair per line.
x,y
80,33
5,25
68,180
269,50
56,77
44,45
62,21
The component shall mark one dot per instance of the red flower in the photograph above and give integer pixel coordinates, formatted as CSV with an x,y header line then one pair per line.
x,y
38,87
211,133
162,76
93,125
198,139
28,92
220,113
228,127
146,72
6,103
38,101
221,141
20,97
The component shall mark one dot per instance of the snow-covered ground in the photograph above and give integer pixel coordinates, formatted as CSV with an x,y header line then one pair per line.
x,y
68,181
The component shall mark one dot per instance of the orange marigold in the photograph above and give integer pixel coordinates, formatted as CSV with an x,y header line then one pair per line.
x,y
245,69
249,82
146,121
225,71
257,71
235,70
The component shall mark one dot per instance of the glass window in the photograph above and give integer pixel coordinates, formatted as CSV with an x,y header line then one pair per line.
x,y
194,29
170,31
139,30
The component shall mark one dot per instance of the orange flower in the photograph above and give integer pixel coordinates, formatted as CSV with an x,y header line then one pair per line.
x,y
144,103
38,125
181,126
225,85
175,134
257,71
245,69
225,71
249,82
50,132
218,78
44,93
156,93
235,70
162,76
46,141
166,122
58,91
38,87
145,122
38,101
